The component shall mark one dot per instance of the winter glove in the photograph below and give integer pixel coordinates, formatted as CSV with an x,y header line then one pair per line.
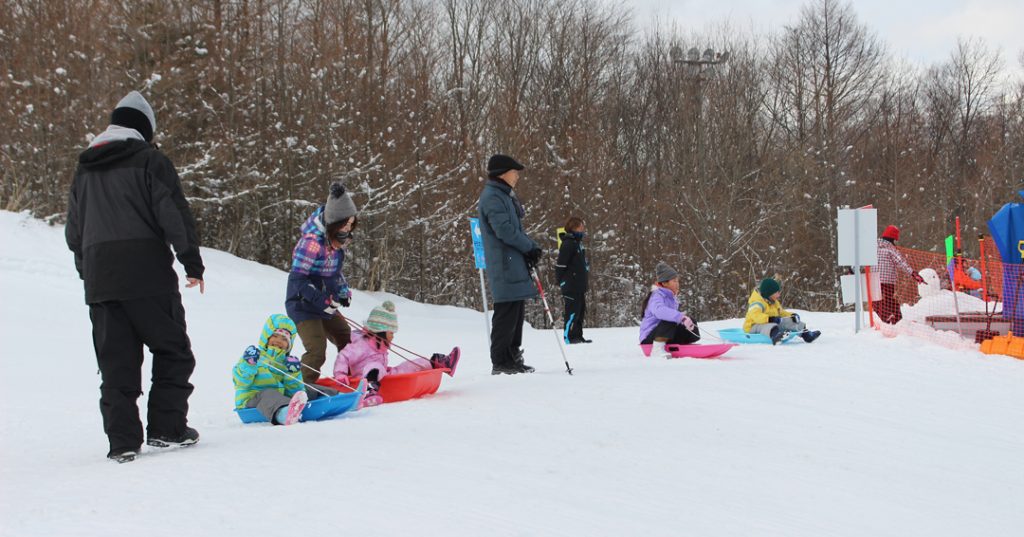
x,y
773,320
918,278
345,297
532,257
687,322
292,364
251,355
332,308
796,318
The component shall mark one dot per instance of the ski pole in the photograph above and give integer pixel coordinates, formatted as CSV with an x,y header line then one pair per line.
x,y
957,266
558,337
984,277
391,344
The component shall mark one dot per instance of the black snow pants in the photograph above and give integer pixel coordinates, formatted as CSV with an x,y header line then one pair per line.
x,y
507,331
574,312
119,330
674,333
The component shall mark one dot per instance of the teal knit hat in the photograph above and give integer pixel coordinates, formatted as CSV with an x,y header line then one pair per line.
x,y
383,318
768,287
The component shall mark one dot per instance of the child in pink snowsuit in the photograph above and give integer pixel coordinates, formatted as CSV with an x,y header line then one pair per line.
x,y
366,356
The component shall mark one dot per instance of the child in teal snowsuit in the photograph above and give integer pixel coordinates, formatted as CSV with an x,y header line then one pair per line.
x,y
268,378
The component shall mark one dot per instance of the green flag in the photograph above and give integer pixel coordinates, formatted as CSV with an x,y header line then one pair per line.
x,y
949,248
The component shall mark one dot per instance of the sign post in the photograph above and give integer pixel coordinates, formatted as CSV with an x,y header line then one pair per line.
x,y
481,264
858,229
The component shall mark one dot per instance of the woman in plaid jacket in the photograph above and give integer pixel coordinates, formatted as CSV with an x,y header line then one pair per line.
x,y
316,285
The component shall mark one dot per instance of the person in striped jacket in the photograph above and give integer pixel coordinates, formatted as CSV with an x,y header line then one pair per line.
x,y
267,378
890,264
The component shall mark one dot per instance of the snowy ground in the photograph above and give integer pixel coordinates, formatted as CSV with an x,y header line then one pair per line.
x,y
853,435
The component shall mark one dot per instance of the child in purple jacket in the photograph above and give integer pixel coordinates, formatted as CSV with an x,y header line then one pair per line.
x,y
367,355
663,322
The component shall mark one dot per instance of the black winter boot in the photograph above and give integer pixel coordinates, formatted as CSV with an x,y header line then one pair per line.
x,y
810,336
521,364
122,456
187,438
506,369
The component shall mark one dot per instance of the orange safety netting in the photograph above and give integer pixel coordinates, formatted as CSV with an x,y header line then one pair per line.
x,y
933,310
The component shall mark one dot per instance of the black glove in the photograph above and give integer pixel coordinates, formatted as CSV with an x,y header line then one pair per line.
x,y
532,257
345,297
796,318
773,320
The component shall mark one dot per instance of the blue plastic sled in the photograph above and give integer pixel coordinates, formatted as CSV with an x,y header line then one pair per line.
x,y
318,409
737,335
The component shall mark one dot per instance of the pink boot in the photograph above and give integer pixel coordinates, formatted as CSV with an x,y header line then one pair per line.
x,y
371,399
295,408
450,362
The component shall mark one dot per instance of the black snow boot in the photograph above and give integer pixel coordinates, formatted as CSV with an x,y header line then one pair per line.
x,y
504,369
122,456
810,336
777,335
521,363
187,438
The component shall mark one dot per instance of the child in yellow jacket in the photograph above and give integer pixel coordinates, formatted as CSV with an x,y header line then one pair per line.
x,y
766,316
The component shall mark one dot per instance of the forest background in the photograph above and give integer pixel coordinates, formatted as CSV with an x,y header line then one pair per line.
x,y
729,171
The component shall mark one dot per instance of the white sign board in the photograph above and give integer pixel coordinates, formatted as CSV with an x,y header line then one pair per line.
x,y
858,237
849,288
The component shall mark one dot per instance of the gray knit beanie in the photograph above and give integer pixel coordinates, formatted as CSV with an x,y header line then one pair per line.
x,y
663,272
339,207
134,112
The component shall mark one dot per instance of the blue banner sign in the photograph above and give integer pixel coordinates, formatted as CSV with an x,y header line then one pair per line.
x,y
478,243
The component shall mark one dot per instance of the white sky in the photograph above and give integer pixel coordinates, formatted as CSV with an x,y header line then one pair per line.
x,y
923,32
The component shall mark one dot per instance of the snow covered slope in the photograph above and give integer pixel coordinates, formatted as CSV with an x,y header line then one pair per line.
x,y
851,436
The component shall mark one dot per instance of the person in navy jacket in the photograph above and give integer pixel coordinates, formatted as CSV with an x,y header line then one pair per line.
x,y
572,271
317,287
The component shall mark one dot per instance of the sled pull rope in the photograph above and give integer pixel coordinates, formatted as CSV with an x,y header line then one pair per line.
x,y
285,373
335,380
391,346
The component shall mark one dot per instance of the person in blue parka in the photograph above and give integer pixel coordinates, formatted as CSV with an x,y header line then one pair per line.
x,y
510,255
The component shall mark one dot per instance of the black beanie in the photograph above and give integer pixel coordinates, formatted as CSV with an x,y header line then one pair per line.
x,y
499,164
133,119
134,112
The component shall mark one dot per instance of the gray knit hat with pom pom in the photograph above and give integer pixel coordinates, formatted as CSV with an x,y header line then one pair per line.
x,y
340,206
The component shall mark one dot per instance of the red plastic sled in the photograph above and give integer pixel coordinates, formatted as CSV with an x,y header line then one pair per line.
x,y
692,350
399,386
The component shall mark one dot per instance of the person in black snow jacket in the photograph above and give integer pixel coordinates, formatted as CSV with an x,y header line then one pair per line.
x,y
125,210
572,272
